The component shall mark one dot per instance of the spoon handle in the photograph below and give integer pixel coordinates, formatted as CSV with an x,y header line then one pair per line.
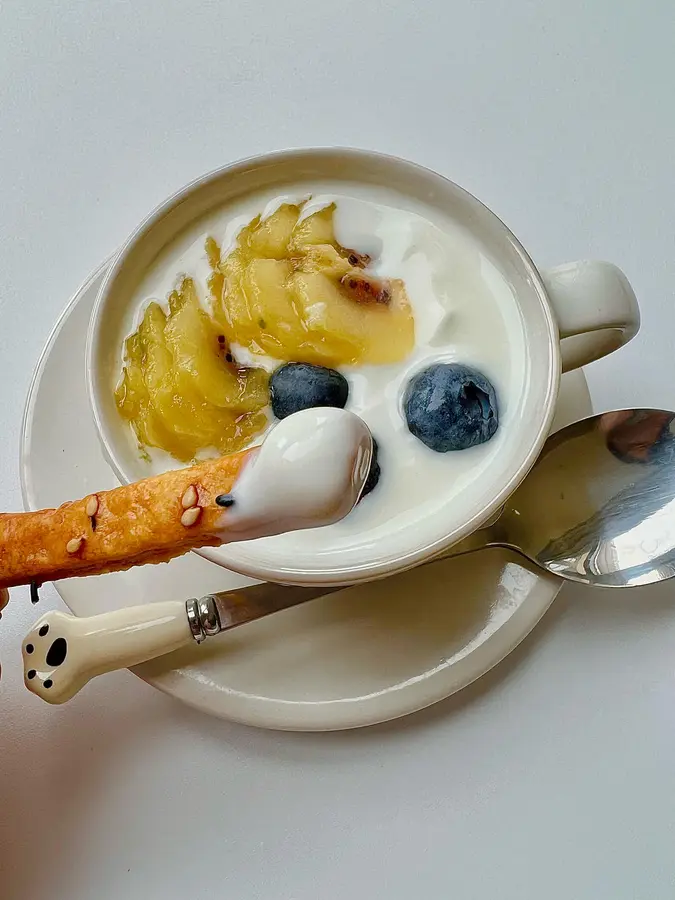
x,y
478,540
61,653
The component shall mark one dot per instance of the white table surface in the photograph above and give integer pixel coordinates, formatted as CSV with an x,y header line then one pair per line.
x,y
554,776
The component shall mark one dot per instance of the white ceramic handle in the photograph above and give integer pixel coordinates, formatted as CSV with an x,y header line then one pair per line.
x,y
596,309
61,653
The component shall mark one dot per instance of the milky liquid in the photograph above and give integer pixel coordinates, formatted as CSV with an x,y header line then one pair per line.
x,y
464,311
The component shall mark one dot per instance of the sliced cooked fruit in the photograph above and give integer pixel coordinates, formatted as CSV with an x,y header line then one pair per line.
x,y
243,239
326,260
157,363
131,394
287,289
230,306
178,390
270,304
271,237
192,340
291,291
216,279
232,312
212,252
317,228
365,289
332,321
356,333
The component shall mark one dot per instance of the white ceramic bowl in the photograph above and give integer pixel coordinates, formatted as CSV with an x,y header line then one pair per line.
x,y
601,321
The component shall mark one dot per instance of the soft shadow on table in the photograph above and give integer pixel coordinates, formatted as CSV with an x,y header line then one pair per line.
x,y
53,776
604,609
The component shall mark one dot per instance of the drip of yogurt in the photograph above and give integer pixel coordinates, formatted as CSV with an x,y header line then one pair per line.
x,y
309,472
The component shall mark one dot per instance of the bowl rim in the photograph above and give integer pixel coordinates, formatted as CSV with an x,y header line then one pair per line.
x,y
374,568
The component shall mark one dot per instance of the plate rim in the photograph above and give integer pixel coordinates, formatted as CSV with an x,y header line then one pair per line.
x,y
326,715
25,480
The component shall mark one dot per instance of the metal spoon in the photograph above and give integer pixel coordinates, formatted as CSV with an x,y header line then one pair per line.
x,y
598,507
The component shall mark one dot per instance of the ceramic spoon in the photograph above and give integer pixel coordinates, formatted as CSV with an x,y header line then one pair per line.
x,y
598,508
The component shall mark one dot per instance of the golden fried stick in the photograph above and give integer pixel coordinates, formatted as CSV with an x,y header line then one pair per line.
x,y
150,521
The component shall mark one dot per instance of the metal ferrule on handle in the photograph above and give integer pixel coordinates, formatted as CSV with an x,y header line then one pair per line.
x,y
203,617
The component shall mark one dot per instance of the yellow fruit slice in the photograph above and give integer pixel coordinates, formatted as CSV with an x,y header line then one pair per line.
x,y
355,332
193,343
157,362
178,390
271,237
288,290
324,258
286,294
332,322
230,307
131,394
269,300
317,228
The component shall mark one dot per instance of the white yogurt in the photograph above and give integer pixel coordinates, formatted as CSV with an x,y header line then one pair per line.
x,y
464,311
309,472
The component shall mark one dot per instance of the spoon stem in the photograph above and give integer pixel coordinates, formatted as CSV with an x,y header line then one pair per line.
x,y
490,536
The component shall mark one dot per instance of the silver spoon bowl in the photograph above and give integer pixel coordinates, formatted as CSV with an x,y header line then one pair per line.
x,y
598,507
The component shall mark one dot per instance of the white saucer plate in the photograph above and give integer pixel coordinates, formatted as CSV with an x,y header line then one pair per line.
x,y
353,658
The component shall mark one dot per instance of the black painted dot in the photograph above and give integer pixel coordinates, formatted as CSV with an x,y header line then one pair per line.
x,y
225,500
48,683
57,652
43,631
29,648
30,673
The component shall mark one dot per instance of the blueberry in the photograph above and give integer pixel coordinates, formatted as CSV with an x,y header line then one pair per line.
x,y
373,474
297,386
450,407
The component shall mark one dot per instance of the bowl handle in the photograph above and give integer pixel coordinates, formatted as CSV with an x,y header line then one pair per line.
x,y
596,309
